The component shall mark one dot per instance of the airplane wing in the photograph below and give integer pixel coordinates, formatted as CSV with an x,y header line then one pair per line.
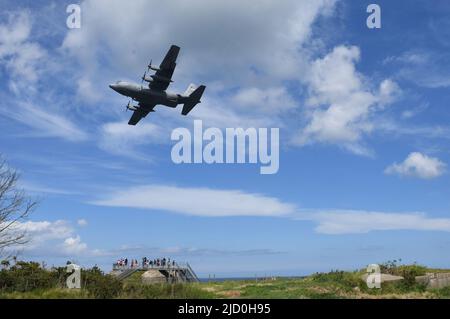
x,y
163,76
141,112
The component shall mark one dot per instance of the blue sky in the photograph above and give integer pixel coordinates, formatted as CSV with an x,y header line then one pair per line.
x,y
363,120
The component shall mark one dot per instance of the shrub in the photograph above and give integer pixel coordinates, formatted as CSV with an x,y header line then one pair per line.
x,y
410,272
99,285
347,280
26,276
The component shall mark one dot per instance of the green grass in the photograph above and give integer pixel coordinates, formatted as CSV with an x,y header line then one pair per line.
x,y
130,291
332,285
53,293
164,291
280,288
135,278
311,287
29,281
443,293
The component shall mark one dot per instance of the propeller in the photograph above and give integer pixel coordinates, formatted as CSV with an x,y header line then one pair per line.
x,y
148,69
128,106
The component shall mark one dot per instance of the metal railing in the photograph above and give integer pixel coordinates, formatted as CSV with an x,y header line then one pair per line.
x,y
193,274
184,269
153,266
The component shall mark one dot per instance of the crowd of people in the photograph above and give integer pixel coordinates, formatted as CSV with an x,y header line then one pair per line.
x,y
146,263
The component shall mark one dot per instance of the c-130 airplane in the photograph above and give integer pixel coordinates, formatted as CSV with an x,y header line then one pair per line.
x,y
156,93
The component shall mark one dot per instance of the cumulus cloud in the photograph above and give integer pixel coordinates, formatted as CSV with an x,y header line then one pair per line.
x,y
272,100
197,201
21,56
50,238
39,232
418,165
214,35
243,58
340,103
74,246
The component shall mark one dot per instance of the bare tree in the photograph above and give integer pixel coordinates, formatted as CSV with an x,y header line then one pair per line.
x,y
15,206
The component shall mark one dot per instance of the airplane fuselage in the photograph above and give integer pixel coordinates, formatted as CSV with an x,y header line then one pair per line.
x,y
155,92
144,94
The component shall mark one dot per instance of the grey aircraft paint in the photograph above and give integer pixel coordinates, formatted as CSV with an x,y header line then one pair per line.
x,y
155,93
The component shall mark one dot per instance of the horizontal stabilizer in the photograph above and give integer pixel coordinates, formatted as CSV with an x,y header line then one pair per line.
x,y
194,99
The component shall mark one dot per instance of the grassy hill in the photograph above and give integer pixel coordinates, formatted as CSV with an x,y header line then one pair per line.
x,y
28,280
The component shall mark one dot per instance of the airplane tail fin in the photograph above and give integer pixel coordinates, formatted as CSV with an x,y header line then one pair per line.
x,y
194,98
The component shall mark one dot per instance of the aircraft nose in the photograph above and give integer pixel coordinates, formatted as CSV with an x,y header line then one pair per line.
x,y
115,87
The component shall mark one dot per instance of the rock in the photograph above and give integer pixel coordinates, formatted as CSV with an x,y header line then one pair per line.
x,y
384,278
434,280
153,276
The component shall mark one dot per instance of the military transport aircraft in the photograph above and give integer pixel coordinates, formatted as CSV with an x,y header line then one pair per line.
x,y
155,93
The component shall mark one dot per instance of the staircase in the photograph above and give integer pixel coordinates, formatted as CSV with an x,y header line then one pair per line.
x,y
190,274
126,273
183,273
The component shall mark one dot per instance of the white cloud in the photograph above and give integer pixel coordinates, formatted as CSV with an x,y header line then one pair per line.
x,y
42,189
87,90
45,124
59,239
422,67
257,54
225,112
82,222
207,202
408,57
197,201
414,111
213,37
49,238
393,128
340,222
271,100
21,57
418,165
25,62
122,139
340,103
212,34
74,246
39,232
389,91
